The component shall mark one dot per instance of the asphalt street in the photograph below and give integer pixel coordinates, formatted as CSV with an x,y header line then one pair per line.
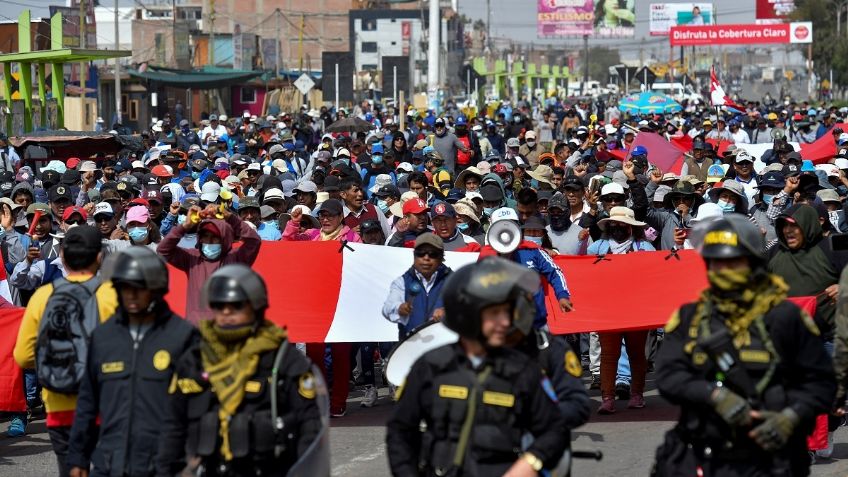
x,y
627,439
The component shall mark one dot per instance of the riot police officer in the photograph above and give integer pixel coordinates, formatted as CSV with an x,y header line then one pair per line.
x,y
747,368
130,363
477,398
243,401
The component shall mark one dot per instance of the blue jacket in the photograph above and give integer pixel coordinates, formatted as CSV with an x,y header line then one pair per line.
x,y
423,303
531,256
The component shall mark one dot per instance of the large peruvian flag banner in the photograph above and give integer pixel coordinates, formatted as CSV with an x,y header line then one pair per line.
x,y
746,34
322,292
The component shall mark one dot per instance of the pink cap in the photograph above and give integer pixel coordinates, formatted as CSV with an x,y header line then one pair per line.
x,y
138,214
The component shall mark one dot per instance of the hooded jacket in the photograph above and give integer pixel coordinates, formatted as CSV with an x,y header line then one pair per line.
x,y
404,154
198,268
810,269
489,178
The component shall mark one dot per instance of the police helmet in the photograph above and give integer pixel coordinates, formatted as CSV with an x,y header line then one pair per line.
x,y
236,283
491,281
733,236
140,267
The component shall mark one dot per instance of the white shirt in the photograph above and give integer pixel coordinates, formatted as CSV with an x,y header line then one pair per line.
x,y
217,132
741,137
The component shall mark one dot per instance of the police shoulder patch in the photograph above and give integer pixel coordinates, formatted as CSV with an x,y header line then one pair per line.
x,y
306,386
572,364
399,391
161,360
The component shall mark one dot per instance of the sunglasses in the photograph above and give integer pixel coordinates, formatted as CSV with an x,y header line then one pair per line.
x,y
75,222
612,198
103,218
428,253
235,306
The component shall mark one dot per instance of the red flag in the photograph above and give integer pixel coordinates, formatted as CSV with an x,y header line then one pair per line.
x,y
11,375
662,153
717,95
823,149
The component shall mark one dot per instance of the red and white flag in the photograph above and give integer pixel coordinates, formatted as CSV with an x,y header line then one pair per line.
x,y
717,95
322,292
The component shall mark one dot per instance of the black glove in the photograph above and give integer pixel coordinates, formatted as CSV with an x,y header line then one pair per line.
x,y
732,408
776,429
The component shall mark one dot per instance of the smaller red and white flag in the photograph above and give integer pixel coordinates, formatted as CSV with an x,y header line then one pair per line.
x,y
717,95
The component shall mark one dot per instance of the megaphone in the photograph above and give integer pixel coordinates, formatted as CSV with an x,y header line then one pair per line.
x,y
778,134
504,236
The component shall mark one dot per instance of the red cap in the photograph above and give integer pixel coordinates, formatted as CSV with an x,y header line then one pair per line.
x,y
72,162
140,201
414,206
500,169
69,211
161,171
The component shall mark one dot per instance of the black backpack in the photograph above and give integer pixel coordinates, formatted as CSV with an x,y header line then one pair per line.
x,y
64,333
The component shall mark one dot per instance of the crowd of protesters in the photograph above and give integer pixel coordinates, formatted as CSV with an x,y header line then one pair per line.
x,y
205,196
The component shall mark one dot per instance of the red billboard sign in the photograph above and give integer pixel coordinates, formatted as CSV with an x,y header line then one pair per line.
x,y
798,32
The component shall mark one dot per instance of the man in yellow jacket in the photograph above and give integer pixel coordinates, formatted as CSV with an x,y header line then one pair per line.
x,y
81,255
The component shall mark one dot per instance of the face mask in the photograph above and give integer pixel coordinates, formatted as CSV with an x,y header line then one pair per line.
x,y
376,159
186,130
536,240
560,222
531,143
181,219
211,250
730,279
138,234
195,175
382,205
462,227
768,198
488,211
726,206
479,134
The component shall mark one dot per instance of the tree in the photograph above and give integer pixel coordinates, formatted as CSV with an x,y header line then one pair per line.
x,y
601,58
829,49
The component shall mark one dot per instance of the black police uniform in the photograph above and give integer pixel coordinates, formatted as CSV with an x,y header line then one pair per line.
x,y
191,423
509,402
802,379
561,364
126,384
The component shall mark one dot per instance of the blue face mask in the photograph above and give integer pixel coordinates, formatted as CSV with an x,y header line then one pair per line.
x,y
768,198
212,251
382,205
536,240
462,227
195,175
726,207
488,211
181,219
376,159
138,234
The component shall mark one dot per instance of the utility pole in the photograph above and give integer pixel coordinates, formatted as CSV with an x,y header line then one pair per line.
x,y
489,24
433,52
82,64
277,46
212,32
300,42
117,72
585,64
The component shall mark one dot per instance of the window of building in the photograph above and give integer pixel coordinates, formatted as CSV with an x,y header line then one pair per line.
x,y
248,95
369,25
369,47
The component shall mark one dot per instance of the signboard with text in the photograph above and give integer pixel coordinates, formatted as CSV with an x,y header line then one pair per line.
x,y
781,33
663,16
595,18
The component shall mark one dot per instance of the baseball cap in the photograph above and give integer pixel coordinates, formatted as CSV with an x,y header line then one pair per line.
x,y
152,195
414,206
513,142
442,209
103,208
266,211
505,213
44,208
388,190
331,184
333,207
69,211
430,239
209,192
306,186
491,193
558,201
572,182
743,156
59,192
610,189
161,171
369,225
273,194
530,135
83,238
138,214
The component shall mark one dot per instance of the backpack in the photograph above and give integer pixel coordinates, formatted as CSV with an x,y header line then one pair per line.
x,y
64,333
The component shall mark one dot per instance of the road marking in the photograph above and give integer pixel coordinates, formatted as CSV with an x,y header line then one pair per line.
x,y
344,468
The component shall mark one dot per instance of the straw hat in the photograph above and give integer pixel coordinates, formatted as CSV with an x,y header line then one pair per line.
x,y
624,215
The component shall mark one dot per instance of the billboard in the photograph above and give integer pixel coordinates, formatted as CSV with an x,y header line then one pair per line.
x,y
595,18
663,16
774,11
780,33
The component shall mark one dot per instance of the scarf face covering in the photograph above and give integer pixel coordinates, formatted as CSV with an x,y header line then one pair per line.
x,y
618,248
332,235
230,357
741,296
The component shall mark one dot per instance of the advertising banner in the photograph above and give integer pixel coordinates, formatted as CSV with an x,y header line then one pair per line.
x,y
774,11
663,16
576,18
797,32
